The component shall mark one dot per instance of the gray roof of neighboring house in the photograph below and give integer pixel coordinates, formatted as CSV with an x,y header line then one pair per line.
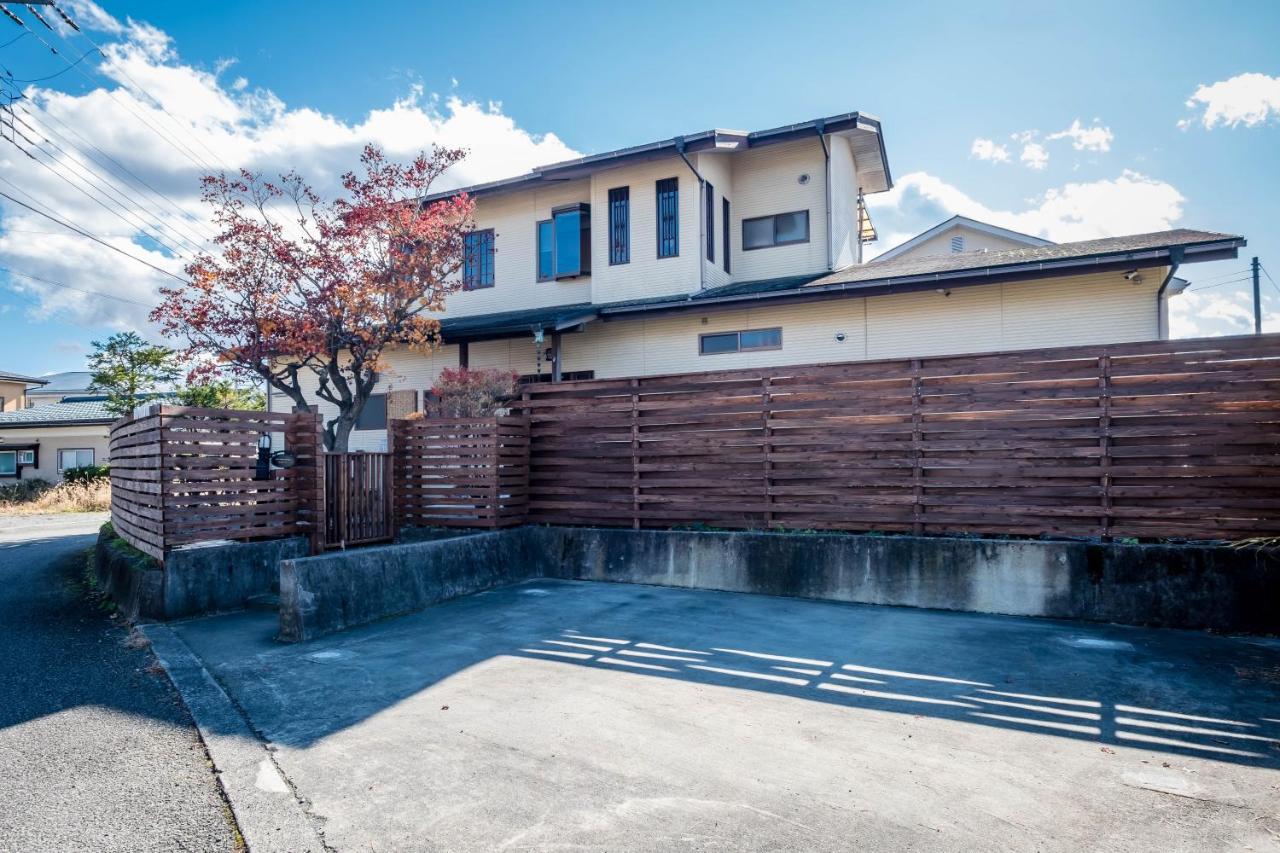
x,y
68,382
71,411
5,376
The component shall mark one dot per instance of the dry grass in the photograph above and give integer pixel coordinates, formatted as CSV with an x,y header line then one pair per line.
x,y
35,497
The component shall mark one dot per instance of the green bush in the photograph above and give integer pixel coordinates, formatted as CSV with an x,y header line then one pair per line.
x,y
86,474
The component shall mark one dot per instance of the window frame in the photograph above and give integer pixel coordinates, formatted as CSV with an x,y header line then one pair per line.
x,y
619,225
14,472
359,420
537,249
709,207
724,230
773,218
93,457
667,186
583,210
23,453
489,238
738,333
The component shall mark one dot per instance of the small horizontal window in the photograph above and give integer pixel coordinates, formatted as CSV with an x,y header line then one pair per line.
x,y
751,340
26,457
781,229
75,458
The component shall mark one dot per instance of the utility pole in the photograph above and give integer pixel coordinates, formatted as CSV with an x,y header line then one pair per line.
x,y
1257,299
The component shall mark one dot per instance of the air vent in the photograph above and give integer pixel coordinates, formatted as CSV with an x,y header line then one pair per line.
x,y
957,243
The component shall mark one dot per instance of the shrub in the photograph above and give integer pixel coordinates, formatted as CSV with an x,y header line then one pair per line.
x,y
86,474
463,393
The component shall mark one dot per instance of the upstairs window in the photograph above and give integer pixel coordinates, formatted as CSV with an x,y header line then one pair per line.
x,y
752,340
724,231
711,222
477,260
620,225
668,217
564,243
781,229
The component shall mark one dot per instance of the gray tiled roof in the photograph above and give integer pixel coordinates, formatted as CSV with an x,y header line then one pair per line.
x,y
68,382
76,410
907,266
6,376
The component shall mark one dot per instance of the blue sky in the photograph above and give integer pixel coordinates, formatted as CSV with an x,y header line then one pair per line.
x,y
1092,93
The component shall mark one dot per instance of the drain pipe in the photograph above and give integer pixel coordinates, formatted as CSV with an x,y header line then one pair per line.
x,y
821,127
701,214
1175,259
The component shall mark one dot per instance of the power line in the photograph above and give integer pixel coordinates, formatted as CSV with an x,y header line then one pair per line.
x,y
84,233
1219,284
53,283
55,74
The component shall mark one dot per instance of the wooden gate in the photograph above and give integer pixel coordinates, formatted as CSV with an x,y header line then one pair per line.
x,y
357,499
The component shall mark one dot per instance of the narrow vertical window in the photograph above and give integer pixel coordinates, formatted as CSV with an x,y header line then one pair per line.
x,y
477,260
710,205
620,225
546,251
724,231
668,217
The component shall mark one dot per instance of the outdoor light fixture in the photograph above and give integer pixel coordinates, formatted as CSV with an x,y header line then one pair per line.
x,y
264,458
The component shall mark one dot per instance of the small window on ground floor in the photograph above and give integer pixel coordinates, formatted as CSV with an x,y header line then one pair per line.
x,y
374,413
74,457
8,463
750,340
26,457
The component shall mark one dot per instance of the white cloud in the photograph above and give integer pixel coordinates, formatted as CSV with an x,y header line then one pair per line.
x,y
1129,204
1095,138
208,126
1249,99
986,149
1034,156
1213,312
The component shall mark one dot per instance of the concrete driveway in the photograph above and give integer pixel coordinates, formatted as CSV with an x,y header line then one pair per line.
x,y
562,715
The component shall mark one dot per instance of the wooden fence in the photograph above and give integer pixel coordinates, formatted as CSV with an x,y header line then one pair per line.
x,y
181,475
357,499
460,472
1158,439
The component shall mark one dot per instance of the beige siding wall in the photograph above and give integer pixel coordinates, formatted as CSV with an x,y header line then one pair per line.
x,y
514,220
766,181
51,440
11,396
717,170
974,241
845,248
646,275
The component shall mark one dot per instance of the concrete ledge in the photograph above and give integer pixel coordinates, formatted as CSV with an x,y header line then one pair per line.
x,y
1159,585
269,815
130,578
335,592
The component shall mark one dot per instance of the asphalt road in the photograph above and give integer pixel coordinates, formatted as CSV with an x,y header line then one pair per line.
x,y
96,750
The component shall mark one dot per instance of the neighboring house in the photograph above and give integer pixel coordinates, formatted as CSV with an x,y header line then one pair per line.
x,y
726,249
55,386
42,442
962,234
14,390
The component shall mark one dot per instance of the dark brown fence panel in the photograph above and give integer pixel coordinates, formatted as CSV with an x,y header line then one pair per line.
x,y
358,499
1155,439
182,475
460,472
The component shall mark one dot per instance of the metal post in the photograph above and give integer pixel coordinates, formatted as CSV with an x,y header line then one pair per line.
x,y
1257,299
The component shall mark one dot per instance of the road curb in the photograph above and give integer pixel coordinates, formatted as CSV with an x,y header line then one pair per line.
x,y
269,815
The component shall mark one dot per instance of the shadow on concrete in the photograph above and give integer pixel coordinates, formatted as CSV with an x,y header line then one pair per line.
x,y
1175,692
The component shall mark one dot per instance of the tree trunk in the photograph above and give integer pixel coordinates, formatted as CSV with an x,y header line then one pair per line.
x,y
337,433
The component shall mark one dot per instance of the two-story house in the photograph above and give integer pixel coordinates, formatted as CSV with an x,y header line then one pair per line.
x,y
727,249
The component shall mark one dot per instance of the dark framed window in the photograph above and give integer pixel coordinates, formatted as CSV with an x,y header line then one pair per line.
x,y
8,463
477,260
620,225
724,231
374,413
781,229
750,340
668,218
74,457
564,243
546,251
710,205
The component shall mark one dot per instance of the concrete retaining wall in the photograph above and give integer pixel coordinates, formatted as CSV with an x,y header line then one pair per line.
x,y
334,592
193,581
1173,586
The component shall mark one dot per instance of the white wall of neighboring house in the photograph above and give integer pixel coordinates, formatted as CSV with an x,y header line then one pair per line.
x,y
52,440
846,249
974,241
767,181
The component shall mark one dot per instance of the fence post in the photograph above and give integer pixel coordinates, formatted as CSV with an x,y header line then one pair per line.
x,y
917,475
320,518
766,412
635,454
1104,443
392,505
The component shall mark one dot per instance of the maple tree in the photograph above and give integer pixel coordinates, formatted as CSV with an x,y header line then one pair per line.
x,y
317,296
